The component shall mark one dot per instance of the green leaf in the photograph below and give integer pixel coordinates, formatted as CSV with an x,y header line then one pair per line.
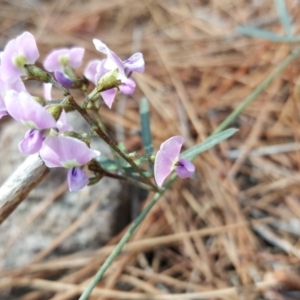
x,y
209,143
145,127
107,164
284,16
113,165
130,171
267,35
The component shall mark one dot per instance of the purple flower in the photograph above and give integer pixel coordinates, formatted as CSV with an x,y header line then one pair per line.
x,y
17,86
17,53
167,159
71,153
22,107
58,60
97,68
66,152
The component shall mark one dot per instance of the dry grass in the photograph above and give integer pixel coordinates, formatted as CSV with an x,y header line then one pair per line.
x,y
232,232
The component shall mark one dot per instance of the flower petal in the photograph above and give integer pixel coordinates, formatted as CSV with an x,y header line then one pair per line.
x,y
109,96
166,158
134,63
27,45
32,142
77,179
184,168
76,56
22,107
47,88
62,123
9,72
52,62
23,48
127,87
171,147
63,79
65,151
3,110
91,70
17,86
162,167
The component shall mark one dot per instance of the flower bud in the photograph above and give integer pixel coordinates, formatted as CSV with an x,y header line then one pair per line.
x,y
55,111
108,81
34,72
94,180
40,100
152,158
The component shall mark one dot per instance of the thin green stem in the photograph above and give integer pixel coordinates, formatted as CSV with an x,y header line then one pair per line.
x,y
59,86
157,195
259,89
124,240
97,168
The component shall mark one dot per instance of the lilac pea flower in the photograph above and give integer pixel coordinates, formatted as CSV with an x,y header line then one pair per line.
x,y
167,160
66,152
93,72
22,107
17,86
58,59
70,153
96,69
17,53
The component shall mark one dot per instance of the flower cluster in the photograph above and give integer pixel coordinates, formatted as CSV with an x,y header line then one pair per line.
x,y
46,124
49,133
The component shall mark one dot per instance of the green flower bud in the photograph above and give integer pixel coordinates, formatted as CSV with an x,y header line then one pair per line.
x,y
34,72
108,81
55,111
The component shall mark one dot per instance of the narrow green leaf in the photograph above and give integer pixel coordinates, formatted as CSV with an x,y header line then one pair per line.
x,y
130,171
209,143
267,35
145,127
114,165
284,16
